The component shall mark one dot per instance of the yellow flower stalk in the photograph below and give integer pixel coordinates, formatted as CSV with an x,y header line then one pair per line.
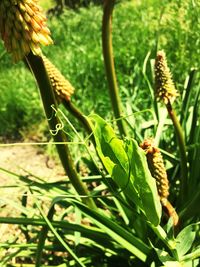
x,y
158,171
166,92
62,88
23,27
164,86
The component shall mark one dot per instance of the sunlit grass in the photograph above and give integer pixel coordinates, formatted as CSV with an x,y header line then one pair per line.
x,y
46,4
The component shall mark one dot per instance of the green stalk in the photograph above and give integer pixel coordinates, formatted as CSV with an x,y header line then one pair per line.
x,y
48,99
182,151
109,64
78,115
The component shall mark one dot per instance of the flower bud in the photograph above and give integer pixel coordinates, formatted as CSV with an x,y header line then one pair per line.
x,y
164,86
62,88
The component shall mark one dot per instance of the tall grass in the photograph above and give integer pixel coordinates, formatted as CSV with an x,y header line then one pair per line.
x,y
20,101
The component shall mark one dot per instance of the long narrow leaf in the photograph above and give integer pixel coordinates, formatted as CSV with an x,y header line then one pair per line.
x,y
53,230
116,232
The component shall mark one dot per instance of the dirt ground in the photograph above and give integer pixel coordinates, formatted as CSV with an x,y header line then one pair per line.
x,y
21,160
25,158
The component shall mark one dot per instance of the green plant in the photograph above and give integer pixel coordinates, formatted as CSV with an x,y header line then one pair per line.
x,y
121,200
18,111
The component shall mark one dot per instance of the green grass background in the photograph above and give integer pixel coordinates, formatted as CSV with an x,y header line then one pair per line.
x,y
139,27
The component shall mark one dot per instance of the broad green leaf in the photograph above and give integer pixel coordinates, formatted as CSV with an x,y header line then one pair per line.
x,y
112,152
185,239
126,163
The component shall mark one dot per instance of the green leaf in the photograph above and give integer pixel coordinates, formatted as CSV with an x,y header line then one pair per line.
x,y
112,152
194,256
185,239
126,163
58,236
164,257
126,239
172,264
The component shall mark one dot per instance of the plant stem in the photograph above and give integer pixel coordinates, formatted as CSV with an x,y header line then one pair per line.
x,y
109,64
48,99
182,150
78,115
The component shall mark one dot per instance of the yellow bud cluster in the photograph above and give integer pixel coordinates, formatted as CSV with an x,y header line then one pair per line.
x,y
157,169
23,27
164,87
62,88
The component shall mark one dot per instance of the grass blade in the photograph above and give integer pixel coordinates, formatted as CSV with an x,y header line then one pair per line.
x,y
116,232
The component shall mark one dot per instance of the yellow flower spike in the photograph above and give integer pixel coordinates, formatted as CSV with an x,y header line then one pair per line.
x,y
165,90
35,48
35,38
22,8
27,17
26,36
19,17
40,19
23,27
36,26
44,39
29,10
47,31
62,88
24,47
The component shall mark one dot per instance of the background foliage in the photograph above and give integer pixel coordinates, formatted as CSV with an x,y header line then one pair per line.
x,y
138,28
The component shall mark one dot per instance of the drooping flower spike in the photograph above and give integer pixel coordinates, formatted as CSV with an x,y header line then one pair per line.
x,y
165,90
23,27
158,171
157,168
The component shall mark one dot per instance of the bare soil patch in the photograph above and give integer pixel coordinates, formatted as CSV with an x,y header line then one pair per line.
x,y
21,160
